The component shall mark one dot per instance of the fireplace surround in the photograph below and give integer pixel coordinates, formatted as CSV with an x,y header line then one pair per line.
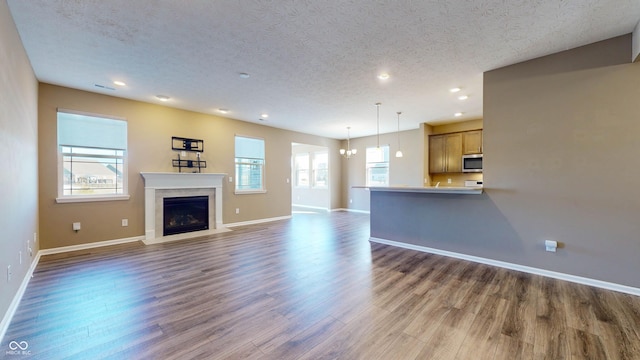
x,y
158,186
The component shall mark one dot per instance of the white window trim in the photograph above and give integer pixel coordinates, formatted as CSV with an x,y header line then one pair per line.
x,y
366,168
237,191
248,192
87,198
295,171
314,170
62,199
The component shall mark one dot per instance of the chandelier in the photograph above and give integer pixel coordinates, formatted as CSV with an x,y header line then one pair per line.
x,y
348,152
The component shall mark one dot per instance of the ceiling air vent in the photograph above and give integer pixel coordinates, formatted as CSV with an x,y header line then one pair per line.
x,y
104,87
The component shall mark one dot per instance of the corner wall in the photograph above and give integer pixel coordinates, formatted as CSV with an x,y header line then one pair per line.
x,y
19,149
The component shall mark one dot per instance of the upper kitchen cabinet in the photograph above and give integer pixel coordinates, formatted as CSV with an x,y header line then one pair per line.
x,y
472,142
445,153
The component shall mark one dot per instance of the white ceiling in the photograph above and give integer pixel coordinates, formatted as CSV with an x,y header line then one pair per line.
x,y
313,64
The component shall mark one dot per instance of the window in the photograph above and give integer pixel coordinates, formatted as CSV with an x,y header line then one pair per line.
x,y
301,166
249,164
320,169
378,166
92,157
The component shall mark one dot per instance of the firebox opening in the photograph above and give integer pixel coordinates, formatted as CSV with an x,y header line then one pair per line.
x,y
185,214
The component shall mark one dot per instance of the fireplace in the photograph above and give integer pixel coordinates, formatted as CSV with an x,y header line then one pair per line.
x,y
158,186
185,214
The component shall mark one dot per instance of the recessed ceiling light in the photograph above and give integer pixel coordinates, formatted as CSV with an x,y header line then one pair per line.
x,y
463,97
119,83
383,76
223,111
458,114
163,97
455,89
244,75
264,116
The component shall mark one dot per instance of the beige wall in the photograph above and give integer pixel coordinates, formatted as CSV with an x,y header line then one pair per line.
x,y
561,135
636,43
19,149
150,128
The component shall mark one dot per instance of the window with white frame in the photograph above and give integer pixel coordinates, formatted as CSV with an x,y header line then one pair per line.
x,y
249,155
92,153
377,166
301,167
320,169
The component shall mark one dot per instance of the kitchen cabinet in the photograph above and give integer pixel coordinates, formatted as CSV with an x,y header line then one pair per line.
x,y
445,153
472,142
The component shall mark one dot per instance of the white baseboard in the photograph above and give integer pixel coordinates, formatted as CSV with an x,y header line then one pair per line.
x,y
527,269
352,210
259,221
6,320
64,249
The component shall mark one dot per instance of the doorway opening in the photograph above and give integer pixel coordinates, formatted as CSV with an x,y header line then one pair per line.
x,y
310,175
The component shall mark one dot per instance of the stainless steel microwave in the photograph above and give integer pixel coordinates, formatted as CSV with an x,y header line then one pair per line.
x,y
472,163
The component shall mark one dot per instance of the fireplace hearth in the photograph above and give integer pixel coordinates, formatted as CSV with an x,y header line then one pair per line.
x,y
185,214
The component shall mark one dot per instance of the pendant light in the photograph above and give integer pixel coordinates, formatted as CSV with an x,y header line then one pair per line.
x,y
378,123
348,152
399,152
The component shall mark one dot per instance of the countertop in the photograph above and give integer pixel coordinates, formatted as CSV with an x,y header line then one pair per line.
x,y
427,189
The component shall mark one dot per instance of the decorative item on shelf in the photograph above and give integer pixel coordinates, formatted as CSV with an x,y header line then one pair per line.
x,y
399,152
348,152
185,145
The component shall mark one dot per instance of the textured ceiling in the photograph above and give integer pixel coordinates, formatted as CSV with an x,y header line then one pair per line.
x,y
313,65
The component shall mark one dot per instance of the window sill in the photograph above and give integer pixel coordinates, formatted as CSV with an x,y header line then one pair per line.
x,y
77,199
246,192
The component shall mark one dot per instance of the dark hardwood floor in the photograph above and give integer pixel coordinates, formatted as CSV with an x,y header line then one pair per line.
x,y
312,287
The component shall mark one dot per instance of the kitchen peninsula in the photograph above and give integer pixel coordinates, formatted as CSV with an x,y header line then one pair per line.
x,y
446,220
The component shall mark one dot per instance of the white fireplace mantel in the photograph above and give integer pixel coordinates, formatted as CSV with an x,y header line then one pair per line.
x,y
159,184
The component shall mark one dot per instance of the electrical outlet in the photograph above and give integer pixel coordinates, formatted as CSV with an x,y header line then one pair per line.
x,y
237,210
76,226
230,178
9,273
550,245
448,181
125,222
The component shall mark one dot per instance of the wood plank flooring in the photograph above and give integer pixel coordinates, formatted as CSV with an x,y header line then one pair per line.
x,y
311,287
